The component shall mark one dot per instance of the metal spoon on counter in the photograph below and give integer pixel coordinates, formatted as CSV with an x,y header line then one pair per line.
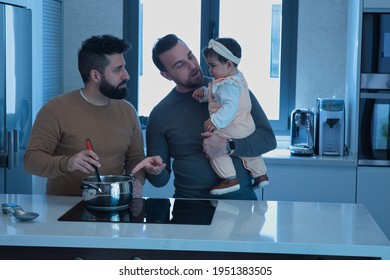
x,y
18,212
23,215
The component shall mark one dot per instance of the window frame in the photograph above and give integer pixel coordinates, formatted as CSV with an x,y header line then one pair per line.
x,y
210,30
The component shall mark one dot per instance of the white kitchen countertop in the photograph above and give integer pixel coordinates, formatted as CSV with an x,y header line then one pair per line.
x,y
238,226
282,156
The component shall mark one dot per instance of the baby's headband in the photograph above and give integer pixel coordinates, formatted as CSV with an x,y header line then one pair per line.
x,y
223,51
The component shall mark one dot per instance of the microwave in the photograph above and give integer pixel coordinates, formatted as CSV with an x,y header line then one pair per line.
x,y
375,55
374,130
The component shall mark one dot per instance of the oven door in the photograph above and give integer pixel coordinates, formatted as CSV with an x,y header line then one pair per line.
x,y
374,132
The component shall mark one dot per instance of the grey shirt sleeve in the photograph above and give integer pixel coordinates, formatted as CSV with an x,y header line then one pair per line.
x,y
156,139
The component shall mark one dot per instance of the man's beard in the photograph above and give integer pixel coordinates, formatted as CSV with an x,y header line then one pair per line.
x,y
111,91
192,83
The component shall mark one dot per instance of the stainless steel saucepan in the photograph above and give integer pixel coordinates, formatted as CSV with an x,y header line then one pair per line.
x,y
113,190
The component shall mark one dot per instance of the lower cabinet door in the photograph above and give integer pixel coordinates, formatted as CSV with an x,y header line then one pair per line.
x,y
311,183
373,190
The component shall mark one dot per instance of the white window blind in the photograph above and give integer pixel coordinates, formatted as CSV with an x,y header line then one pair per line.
x,y
52,49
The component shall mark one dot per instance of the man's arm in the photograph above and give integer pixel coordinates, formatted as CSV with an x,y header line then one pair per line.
x,y
157,146
38,158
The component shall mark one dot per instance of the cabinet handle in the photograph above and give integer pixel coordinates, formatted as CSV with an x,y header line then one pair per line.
x,y
13,149
11,154
16,148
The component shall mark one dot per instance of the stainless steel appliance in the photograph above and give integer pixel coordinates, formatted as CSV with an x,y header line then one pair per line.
x,y
15,97
374,103
302,132
330,127
375,57
374,120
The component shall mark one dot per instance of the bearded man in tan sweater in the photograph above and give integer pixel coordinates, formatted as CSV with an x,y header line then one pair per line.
x,y
98,111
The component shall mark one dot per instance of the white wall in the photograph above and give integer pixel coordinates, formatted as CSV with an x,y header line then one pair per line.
x,y
82,19
322,45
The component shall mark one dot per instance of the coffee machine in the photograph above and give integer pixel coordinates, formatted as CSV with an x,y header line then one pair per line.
x,y
330,127
302,132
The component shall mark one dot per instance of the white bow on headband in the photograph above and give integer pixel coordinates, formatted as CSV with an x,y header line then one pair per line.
x,y
223,51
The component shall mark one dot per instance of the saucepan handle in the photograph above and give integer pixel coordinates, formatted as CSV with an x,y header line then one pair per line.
x,y
131,175
89,186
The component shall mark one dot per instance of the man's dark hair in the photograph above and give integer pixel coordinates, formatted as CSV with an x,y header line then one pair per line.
x,y
231,44
92,54
162,45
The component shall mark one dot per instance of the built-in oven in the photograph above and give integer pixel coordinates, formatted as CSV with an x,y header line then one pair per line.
x,y
374,103
374,131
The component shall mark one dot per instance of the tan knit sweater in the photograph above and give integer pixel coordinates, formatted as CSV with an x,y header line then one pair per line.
x,y
60,130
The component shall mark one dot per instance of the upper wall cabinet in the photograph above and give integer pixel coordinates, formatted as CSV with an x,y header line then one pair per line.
x,y
376,4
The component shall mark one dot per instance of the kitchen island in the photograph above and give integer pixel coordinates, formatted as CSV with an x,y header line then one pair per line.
x,y
238,230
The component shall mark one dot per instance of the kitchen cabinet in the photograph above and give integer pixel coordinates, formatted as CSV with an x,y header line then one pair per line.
x,y
166,191
309,182
311,179
373,190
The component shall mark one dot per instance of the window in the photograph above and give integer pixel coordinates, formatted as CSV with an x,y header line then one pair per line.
x,y
276,40
266,31
159,18
235,21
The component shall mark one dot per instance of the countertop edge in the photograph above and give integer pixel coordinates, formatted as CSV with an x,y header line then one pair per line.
x,y
344,250
283,157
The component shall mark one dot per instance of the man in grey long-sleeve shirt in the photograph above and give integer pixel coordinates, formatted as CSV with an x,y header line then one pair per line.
x,y
175,130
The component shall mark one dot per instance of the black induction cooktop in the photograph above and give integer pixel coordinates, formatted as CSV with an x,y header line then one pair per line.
x,y
147,210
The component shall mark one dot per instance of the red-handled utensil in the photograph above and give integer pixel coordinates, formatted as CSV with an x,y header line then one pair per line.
x,y
89,147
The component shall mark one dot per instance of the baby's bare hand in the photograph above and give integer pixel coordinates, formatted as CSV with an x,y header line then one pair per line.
x,y
209,126
198,94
